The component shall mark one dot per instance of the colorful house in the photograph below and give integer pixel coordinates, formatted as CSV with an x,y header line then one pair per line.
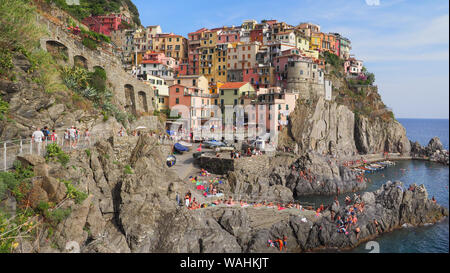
x,y
230,92
105,23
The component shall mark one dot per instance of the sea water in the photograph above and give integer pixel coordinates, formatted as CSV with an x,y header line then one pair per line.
x,y
435,177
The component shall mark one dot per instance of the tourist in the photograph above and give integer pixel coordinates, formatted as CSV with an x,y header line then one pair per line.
x,y
285,242
54,137
87,137
72,136
37,138
357,231
66,137
375,222
46,133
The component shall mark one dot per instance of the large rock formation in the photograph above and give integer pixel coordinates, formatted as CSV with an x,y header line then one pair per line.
x,y
434,151
377,136
330,128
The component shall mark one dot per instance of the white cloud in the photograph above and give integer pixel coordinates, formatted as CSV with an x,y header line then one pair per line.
x,y
373,2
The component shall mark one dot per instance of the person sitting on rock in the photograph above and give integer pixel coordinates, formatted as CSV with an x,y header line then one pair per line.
x,y
285,242
375,222
357,231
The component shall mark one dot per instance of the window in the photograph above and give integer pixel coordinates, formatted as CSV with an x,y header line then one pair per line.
x,y
221,102
215,101
287,106
177,90
235,101
235,91
177,101
221,92
242,102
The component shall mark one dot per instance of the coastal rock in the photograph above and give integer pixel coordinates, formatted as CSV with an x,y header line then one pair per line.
x,y
434,151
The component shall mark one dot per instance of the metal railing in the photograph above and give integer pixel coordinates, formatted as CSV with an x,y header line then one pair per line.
x,y
13,148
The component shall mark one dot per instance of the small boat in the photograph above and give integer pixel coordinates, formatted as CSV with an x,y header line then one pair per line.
x,y
180,148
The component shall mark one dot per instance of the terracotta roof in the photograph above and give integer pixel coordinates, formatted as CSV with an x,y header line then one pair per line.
x,y
150,62
233,85
199,31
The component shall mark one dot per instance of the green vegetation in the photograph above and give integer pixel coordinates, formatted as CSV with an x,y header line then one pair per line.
x,y
18,28
97,7
128,170
55,153
4,107
333,59
92,86
93,39
74,193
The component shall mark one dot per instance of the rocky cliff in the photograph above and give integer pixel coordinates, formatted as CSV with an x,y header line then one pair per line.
x,y
136,211
327,127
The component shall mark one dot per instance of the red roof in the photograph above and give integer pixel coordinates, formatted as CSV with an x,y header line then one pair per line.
x,y
150,62
233,85
198,31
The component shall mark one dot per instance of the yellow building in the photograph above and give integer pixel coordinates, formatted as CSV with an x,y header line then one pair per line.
x,y
171,45
220,65
316,41
208,57
302,43
176,47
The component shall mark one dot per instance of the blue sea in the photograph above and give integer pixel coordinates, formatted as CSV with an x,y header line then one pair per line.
x,y
435,177
422,130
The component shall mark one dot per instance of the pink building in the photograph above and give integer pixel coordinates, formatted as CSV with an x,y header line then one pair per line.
x,y
228,35
280,64
195,103
105,23
278,107
353,66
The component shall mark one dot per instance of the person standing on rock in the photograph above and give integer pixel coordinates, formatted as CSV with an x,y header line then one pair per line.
x,y
285,242
37,138
87,137
72,136
54,137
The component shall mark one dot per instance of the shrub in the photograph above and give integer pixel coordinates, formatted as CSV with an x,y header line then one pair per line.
x,y
89,43
74,193
128,170
4,107
55,153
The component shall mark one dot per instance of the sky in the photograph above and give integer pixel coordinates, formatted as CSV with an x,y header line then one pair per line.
x,y
405,43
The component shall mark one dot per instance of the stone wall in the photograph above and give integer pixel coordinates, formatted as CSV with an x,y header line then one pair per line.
x,y
141,96
216,165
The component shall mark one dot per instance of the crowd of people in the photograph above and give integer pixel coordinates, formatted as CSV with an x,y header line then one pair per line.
x,y
72,136
278,243
345,222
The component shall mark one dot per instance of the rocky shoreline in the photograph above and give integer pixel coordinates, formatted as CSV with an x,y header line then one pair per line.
x,y
433,152
137,211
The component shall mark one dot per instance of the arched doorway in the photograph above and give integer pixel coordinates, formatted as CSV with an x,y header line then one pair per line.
x,y
143,101
130,101
57,50
80,61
